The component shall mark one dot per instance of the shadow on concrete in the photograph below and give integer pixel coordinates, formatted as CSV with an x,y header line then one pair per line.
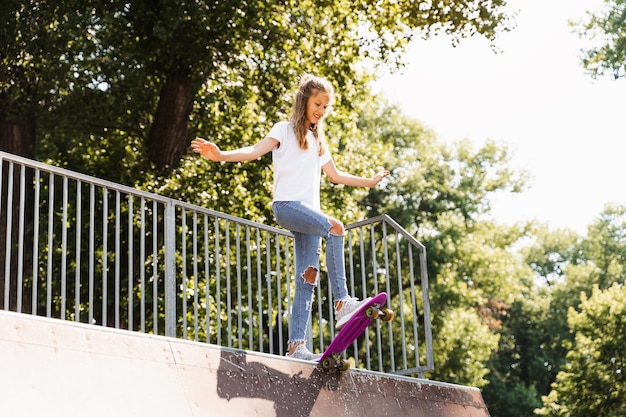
x,y
309,391
292,395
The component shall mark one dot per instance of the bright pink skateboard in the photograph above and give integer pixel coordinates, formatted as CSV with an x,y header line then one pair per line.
x,y
370,311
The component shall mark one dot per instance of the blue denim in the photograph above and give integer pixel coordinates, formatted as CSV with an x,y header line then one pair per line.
x,y
308,226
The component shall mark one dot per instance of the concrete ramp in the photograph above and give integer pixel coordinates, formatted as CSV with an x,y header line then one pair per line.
x,y
54,368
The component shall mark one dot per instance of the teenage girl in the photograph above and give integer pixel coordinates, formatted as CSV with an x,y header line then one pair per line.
x,y
299,154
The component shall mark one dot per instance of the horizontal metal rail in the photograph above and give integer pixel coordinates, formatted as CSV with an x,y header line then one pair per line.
x,y
79,248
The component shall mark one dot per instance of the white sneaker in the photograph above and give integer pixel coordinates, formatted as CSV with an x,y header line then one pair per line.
x,y
303,353
345,309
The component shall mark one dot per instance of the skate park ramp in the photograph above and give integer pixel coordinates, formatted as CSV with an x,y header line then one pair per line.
x,y
57,368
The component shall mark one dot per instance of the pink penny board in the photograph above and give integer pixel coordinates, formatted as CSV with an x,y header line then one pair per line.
x,y
353,328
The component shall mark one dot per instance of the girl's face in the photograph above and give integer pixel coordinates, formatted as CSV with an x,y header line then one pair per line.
x,y
316,107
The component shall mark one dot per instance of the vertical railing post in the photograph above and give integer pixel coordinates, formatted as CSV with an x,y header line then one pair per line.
x,y
7,259
170,269
430,362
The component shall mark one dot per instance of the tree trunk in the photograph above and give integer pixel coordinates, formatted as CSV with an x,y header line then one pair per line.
x,y
18,138
169,135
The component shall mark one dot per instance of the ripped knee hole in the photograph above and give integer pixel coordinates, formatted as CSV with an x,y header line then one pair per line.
x,y
310,275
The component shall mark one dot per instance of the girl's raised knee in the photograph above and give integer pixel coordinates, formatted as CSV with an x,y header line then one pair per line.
x,y
336,227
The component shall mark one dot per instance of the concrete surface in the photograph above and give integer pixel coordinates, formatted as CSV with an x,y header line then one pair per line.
x,y
53,368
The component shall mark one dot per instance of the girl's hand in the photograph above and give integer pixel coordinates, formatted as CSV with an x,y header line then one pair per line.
x,y
207,149
378,177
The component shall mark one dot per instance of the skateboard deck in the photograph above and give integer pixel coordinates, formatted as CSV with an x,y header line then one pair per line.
x,y
367,313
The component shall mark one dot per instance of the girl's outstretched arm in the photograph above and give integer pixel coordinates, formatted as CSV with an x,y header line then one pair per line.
x,y
211,151
339,177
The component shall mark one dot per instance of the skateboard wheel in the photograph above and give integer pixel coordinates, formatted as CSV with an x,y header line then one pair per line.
x,y
371,313
344,365
328,364
388,315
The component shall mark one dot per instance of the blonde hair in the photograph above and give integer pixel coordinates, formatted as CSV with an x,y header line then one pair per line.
x,y
310,85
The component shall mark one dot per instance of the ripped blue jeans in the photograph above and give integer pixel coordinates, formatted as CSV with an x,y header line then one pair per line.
x,y
308,226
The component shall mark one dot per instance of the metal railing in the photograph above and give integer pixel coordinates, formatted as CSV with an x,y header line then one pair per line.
x,y
78,248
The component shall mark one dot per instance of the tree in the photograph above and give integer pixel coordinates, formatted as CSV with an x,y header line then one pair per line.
x,y
91,85
442,195
472,267
606,245
34,68
526,361
536,335
592,381
607,29
462,344
161,61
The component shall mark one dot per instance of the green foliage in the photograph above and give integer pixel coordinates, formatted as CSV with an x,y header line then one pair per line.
x,y
442,195
536,334
473,268
36,65
150,74
510,400
592,382
607,28
462,343
606,245
527,360
552,251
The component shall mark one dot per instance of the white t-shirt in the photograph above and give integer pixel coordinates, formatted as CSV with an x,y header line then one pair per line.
x,y
297,172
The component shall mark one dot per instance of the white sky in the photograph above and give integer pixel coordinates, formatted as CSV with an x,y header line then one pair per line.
x,y
565,128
